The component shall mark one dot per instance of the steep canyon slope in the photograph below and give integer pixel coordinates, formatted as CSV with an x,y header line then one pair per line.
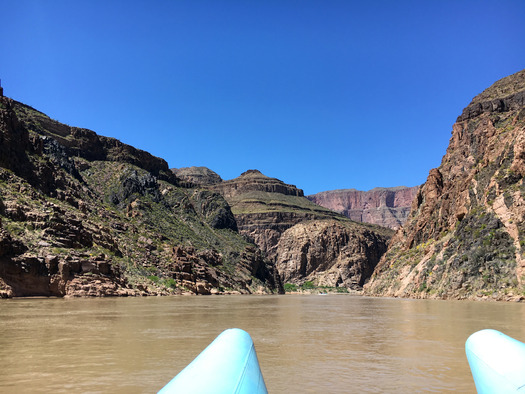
x,y
384,206
307,242
86,215
265,207
465,235
330,253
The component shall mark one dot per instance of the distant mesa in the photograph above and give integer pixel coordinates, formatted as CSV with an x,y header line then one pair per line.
x,y
248,181
387,207
255,181
306,241
265,207
198,176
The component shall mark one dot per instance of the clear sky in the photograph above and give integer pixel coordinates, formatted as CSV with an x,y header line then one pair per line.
x,y
321,94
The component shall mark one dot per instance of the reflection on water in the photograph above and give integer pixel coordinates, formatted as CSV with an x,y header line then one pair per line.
x,y
312,344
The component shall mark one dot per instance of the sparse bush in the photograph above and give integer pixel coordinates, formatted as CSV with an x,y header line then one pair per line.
x,y
308,285
170,282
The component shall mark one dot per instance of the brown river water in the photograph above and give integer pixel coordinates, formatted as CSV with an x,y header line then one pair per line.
x,y
305,343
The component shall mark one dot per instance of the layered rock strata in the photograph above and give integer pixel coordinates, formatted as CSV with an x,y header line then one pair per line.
x,y
265,207
197,176
255,181
387,207
329,253
464,237
307,242
86,215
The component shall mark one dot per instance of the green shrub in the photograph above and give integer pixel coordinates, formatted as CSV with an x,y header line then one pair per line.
x,y
288,287
308,285
170,282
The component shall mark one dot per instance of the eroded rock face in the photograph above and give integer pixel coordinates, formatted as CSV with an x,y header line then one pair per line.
x,y
329,253
265,229
387,207
255,181
306,241
85,215
86,143
465,233
265,207
197,176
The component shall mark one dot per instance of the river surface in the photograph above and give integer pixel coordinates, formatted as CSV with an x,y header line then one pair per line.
x,y
305,343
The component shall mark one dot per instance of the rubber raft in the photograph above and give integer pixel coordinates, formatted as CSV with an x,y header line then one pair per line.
x,y
497,362
229,365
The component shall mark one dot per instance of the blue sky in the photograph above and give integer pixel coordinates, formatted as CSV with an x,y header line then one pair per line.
x,y
321,94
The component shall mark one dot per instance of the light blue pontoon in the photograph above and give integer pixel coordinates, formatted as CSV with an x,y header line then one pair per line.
x,y
228,365
497,362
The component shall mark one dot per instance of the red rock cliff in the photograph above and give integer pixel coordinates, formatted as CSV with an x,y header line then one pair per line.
x,y
465,234
387,207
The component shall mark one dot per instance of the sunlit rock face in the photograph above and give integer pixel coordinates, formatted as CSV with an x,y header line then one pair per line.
x,y
198,176
307,242
87,215
265,207
465,234
329,253
387,207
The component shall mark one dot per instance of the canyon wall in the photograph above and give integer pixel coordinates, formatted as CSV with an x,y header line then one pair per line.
x,y
265,207
307,242
387,207
464,237
86,215
329,253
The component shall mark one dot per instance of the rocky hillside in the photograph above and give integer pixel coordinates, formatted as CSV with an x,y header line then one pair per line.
x,y
236,189
82,214
465,235
197,176
265,207
330,253
307,242
387,207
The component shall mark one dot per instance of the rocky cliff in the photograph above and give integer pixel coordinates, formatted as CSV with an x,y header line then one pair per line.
x,y
387,207
330,253
198,176
86,215
265,207
255,181
307,242
464,237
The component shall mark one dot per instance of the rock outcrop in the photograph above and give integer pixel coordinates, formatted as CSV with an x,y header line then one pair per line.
x,y
265,207
85,143
329,253
387,207
307,242
255,181
197,176
86,215
464,237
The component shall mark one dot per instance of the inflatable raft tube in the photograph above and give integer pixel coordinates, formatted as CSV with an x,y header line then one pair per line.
x,y
497,362
228,365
